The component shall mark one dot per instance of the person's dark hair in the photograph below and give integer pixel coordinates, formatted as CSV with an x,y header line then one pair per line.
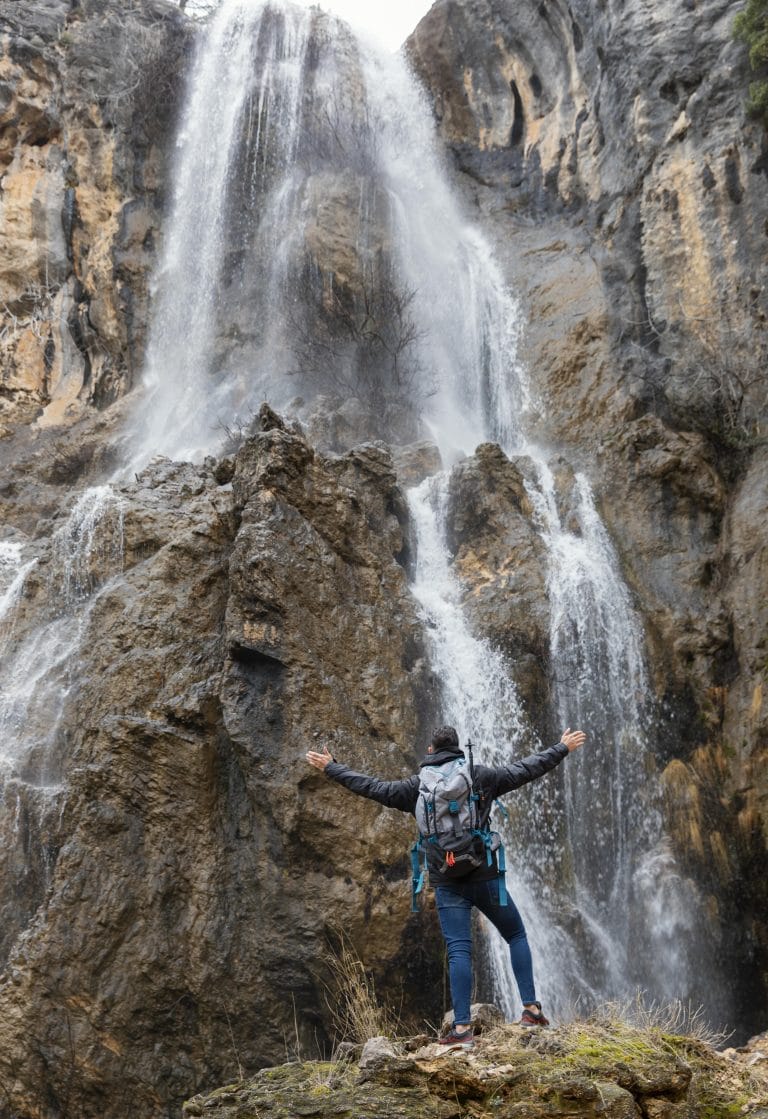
x,y
445,738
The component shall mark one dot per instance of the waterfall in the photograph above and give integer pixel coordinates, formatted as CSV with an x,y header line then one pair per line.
x,y
238,190
307,173
294,193
479,698
38,671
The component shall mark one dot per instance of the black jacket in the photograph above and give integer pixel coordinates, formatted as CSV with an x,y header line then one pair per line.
x,y
490,783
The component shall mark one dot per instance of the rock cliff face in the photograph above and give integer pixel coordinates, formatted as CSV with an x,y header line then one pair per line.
x,y
608,149
198,864
88,100
168,906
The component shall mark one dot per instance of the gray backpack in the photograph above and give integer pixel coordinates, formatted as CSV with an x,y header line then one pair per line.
x,y
451,842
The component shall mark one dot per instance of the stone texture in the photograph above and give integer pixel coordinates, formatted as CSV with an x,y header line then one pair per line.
x,y
513,1073
198,863
89,95
500,558
375,1050
608,152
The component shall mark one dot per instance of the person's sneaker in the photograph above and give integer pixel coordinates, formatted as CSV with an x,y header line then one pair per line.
x,y
455,1039
532,1017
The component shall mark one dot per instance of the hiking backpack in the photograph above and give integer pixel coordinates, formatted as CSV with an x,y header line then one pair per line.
x,y
451,842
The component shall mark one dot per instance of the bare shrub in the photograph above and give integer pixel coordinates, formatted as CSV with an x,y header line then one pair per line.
x,y
656,1019
364,342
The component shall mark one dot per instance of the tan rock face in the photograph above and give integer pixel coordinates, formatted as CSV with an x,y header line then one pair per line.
x,y
83,167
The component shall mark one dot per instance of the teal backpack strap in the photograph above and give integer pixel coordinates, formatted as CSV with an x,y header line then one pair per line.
x,y
502,870
417,872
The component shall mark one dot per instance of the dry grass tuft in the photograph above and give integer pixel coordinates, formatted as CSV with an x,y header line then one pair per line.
x,y
351,998
678,1018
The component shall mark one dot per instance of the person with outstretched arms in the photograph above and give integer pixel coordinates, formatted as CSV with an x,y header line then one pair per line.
x,y
459,854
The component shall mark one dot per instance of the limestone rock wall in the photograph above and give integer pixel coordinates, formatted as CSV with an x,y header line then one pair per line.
x,y
88,99
608,150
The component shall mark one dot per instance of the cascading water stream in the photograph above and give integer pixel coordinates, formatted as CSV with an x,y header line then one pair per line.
x,y
480,700
35,672
40,642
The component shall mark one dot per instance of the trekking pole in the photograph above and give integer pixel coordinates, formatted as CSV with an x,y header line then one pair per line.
x,y
475,794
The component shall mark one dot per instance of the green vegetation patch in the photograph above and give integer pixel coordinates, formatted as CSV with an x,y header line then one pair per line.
x,y
751,26
318,1089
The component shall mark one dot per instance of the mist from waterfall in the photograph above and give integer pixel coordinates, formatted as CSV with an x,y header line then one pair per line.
x,y
40,644
37,663
479,698
301,148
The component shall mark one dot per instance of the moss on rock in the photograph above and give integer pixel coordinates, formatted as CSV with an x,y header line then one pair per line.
x,y
594,1070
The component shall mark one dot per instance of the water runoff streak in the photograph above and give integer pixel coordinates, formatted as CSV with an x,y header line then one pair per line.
x,y
39,644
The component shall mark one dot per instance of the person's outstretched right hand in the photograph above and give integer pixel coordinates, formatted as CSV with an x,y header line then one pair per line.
x,y
573,739
319,761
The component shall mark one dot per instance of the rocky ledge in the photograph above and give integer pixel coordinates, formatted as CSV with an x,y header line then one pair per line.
x,y
598,1068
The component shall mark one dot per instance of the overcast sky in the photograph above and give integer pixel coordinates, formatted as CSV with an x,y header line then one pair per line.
x,y
388,21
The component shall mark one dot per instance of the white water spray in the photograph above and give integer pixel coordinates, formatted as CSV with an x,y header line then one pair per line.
x,y
36,670
480,699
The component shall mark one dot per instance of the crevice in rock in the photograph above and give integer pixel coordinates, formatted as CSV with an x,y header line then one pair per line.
x,y
733,179
253,658
578,38
518,125
75,323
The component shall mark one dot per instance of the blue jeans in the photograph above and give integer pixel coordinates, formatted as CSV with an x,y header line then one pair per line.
x,y
454,907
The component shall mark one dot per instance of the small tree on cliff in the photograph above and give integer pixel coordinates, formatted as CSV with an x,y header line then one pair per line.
x,y
363,341
714,372
751,26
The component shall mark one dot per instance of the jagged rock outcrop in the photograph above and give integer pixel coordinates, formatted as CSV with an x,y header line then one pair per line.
x,y
501,557
260,607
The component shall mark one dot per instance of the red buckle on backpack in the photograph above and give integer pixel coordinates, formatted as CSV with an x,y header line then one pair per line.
x,y
450,859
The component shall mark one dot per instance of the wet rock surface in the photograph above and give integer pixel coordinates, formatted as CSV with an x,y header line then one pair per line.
x,y
501,559
623,188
